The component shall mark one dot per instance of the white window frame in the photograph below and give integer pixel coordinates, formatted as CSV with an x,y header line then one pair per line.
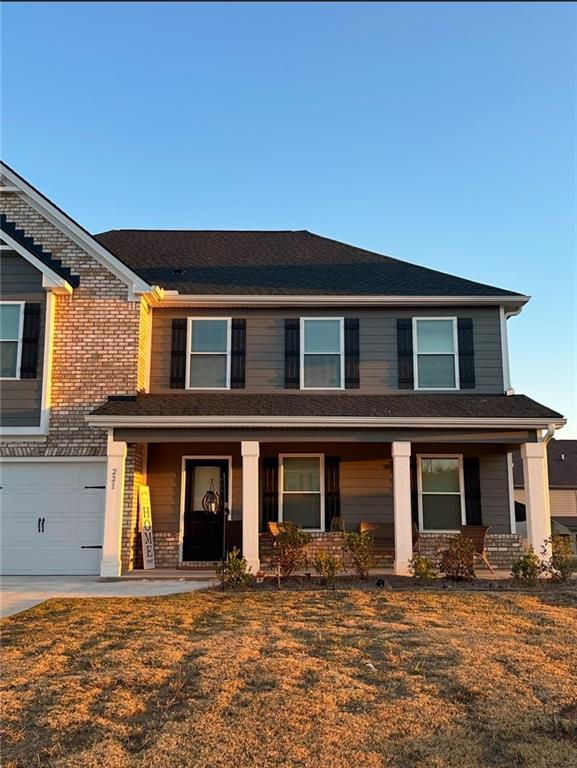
x,y
281,491
416,354
341,352
461,493
18,340
189,352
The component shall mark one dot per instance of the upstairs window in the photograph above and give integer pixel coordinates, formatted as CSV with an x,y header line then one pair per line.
x,y
322,353
209,353
11,320
435,352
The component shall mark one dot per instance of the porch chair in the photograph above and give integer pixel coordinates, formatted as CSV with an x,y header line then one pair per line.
x,y
478,535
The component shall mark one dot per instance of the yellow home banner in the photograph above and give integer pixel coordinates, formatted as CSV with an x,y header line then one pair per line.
x,y
146,527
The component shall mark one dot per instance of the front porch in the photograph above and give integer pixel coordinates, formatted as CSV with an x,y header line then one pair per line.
x,y
357,480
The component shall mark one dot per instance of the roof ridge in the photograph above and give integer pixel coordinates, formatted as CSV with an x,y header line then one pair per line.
x,y
240,231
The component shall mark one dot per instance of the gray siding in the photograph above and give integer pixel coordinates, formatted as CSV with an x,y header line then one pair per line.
x,y
495,493
378,345
20,400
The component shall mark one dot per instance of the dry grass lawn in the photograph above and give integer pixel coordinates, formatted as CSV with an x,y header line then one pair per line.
x,y
263,679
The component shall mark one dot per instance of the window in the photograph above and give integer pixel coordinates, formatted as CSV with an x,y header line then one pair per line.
x,y
209,353
441,502
11,319
301,490
435,352
322,353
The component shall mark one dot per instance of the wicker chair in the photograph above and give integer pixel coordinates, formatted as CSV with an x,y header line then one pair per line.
x,y
478,535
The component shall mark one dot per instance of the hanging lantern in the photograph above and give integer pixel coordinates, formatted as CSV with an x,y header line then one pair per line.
x,y
211,500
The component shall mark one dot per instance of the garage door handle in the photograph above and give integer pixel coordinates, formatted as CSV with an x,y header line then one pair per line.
x,y
92,546
39,522
43,521
99,487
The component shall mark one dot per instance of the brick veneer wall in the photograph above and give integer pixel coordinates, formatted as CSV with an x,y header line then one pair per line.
x,y
329,542
502,548
99,348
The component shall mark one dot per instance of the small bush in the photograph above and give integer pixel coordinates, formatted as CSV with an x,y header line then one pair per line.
x,y
457,560
559,566
361,549
327,566
290,548
234,572
422,568
527,568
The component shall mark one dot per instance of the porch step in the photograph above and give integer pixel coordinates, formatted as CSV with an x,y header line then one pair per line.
x,y
167,574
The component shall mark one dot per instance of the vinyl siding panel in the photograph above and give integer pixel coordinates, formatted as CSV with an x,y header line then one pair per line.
x,y
563,501
378,346
495,492
21,399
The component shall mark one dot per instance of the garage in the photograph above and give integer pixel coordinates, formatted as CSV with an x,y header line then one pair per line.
x,y
52,516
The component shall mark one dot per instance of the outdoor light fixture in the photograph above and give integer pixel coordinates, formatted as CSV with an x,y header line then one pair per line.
x,y
211,500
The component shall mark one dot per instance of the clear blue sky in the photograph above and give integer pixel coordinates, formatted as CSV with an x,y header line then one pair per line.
x,y
442,134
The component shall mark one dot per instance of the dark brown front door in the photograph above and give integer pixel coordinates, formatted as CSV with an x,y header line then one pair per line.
x,y
203,531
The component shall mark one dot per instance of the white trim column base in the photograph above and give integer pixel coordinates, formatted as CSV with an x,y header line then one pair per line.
x,y
111,564
403,521
250,503
536,474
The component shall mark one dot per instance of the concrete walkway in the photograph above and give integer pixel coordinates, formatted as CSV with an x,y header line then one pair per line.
x,y
17,593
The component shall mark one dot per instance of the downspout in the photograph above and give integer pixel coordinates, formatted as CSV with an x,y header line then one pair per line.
x,y
549,434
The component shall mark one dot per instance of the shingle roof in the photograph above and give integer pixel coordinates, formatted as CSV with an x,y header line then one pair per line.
x,y
275,263
562,459
342,404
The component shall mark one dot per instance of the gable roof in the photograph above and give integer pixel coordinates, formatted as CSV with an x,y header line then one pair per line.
x,y
277,263
562,461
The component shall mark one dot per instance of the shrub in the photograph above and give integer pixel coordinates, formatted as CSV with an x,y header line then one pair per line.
x,y
457,559
422,568
559,566
234,572
361,549
327,566
527,568
289,549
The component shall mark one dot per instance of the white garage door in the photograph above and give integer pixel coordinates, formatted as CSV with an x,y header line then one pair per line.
x,y
52,515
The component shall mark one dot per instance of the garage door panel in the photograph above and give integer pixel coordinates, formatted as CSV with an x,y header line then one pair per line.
x,y
73,517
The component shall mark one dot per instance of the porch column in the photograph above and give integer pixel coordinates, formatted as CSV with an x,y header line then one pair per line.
x,y
110,564
402,506
536,474
250,453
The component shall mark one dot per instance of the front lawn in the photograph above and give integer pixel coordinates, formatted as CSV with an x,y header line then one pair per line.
x,y
341,679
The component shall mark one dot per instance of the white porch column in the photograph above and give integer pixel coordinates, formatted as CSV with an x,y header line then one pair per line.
x,y
250,549
402,506
536,474
111,564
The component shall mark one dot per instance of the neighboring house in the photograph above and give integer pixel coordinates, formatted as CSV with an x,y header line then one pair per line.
x,y
309,379
562,465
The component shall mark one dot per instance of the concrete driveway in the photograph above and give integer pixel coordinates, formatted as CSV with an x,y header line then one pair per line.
x,y
17,593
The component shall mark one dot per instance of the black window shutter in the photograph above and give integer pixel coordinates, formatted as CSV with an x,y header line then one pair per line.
x,y
30,341
466,353
270,490
472,491
405,352
292,353
352,379
178,354
238,354
332,490
414,492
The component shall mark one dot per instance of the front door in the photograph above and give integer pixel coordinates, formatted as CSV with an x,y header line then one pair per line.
x,y
203,531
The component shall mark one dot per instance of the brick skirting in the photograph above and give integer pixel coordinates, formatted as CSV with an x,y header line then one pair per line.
x,y
330,542
502,548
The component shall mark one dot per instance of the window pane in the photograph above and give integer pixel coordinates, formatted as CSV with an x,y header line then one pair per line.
x,y
8,358
9,321
440,475
201,484
322,336
322,371
302,473
208,371
302,509
436,371
435,336
209,335
441,513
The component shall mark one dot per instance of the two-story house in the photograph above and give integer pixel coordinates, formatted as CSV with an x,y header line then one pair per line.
x,y
303,378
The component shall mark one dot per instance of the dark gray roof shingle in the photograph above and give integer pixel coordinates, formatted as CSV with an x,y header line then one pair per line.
x,y
276,263
562,460
342,404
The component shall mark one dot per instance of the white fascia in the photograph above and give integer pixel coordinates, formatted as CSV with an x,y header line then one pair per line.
x,y
136,285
